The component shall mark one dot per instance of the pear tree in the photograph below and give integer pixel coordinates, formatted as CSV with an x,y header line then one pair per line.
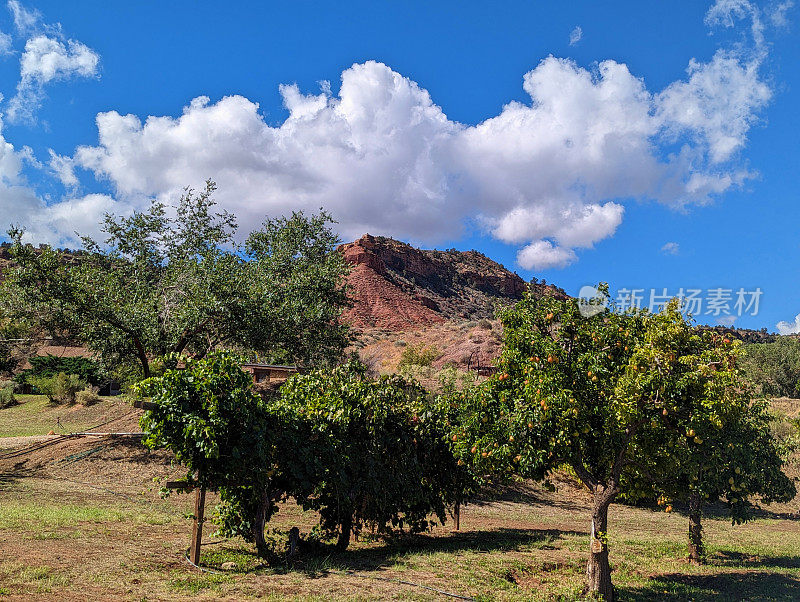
x,y
724,447
592,392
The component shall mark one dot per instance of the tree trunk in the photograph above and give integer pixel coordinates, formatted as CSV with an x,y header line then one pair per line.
x,y
142,357
344,534
598,571
696,551
259,523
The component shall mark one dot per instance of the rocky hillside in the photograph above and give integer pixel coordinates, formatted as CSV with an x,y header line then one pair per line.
x,y
397,287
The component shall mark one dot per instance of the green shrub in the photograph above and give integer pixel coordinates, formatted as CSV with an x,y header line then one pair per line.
x,y
224,435
485,324
50,365
15,386
377,452
7,397
87,396
360,451
60,389
418,355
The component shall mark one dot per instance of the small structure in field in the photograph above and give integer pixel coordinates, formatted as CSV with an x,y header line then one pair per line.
x,y
474,363
265,374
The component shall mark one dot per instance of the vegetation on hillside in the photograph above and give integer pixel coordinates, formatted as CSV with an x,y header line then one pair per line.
x,y
774,367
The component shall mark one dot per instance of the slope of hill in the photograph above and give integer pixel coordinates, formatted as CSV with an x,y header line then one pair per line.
x,y
397,287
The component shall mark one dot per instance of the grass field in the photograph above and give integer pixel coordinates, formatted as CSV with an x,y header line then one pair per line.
x,y
82,519
35,416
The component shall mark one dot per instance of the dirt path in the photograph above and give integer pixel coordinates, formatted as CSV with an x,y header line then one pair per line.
x,y
14,442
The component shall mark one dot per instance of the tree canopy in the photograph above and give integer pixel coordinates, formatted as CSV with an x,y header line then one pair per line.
x,y
615,396
173,279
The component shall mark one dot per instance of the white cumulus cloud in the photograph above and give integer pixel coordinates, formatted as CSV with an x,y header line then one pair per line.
x,y
551,175
55,223
48,56
46,59
542,255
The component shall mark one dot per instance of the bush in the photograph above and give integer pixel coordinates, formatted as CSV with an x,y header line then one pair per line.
x,y
418,355
47,366
60,389
13,385
377,453
7,397
485,324
359,451
87,396
223,434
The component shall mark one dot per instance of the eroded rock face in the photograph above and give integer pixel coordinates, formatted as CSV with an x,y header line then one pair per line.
x,y
397,286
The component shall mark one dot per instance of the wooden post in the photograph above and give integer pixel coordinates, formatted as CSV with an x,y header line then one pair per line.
x,y
197,530
457,515
199,510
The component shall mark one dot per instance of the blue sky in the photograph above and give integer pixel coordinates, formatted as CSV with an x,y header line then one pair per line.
x,y
613,162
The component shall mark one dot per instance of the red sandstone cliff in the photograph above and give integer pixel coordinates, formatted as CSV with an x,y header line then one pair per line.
x,y
398,287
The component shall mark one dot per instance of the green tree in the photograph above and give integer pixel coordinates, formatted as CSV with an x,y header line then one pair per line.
x,y
555,402
173,280
50,365
727,449
377,452
596,393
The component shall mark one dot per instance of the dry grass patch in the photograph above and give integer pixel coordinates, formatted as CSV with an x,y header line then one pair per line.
x,y
36,416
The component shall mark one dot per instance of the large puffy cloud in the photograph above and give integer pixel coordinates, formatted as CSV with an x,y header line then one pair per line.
x,y
54,223
551,175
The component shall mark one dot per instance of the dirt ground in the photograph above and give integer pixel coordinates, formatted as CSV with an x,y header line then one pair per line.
x,y
82,519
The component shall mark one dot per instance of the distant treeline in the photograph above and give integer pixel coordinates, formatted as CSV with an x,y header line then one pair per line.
x,y
774,367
